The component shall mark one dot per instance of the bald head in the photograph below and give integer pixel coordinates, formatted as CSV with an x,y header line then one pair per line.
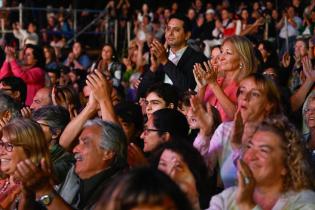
x,y
42,98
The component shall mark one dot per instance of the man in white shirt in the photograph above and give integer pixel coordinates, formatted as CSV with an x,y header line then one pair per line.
x,y
177,65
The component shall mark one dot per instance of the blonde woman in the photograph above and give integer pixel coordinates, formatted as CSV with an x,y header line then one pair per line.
x,y
21,139
218,86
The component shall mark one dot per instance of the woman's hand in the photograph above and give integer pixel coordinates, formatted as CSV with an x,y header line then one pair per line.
x,y
308,70
286,59
136,157
246,186
199,75
10,53
100,86
204,117
26,112
34,178
238,130
181,174
211,74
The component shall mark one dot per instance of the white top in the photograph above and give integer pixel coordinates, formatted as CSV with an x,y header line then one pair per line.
x,y
174,58
303,200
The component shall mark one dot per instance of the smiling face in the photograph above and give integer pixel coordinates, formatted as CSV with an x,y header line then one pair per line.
x,y
310,113
252,101
215,55
10,159
229,59
151,137
265,158
90,157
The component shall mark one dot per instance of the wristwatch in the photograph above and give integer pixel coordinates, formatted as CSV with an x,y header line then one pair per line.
x,y
47,199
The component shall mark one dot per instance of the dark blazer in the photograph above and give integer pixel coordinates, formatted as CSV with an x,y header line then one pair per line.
x,y
181,75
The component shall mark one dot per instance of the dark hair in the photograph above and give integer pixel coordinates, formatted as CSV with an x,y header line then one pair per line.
x,y
51,51
57,117
70,95
272,59
171,121
184,99
186,22
38,54
8,104
16,84
167,92
195,162
114,52
54,71
130,113
143,186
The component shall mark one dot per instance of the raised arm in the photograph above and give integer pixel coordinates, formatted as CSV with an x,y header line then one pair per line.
x,y
227,104
75,126
29,76
102,92
298,98
6,68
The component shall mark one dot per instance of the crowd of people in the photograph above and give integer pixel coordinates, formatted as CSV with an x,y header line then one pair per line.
x,y
210,108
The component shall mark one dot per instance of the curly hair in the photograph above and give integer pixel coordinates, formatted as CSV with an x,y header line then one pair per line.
x,y
298,168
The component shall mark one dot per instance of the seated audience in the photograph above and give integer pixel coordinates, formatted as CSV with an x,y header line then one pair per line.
x,y
100,156
257,99
273,172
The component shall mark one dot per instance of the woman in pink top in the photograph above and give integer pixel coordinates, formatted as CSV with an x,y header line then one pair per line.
x,y
219,83
32,72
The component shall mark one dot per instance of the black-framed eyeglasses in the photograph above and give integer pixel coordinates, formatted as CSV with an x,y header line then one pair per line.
x,y
6,145
148,130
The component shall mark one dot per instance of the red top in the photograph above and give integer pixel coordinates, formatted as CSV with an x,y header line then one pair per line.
x,y
8,193
230,91
34,77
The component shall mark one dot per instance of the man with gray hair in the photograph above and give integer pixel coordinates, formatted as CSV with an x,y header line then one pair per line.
x,y
100,155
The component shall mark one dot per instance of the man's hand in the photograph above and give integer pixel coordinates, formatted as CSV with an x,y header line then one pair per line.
x,y
100,87
159,52
308,70
26,112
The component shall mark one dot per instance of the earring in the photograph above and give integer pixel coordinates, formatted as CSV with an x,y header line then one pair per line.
x,y
241,65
